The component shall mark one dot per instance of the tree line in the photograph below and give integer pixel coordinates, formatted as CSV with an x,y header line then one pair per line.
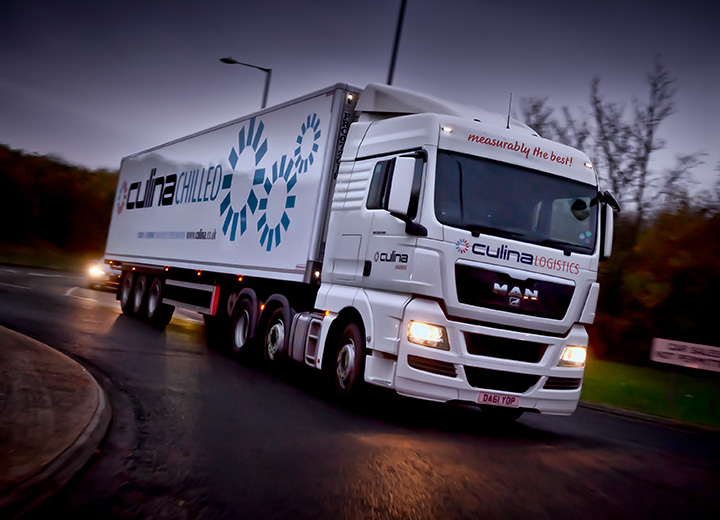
x,y
665,270
50,204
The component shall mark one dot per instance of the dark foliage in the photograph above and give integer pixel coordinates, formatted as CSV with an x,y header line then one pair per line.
x,y
48,202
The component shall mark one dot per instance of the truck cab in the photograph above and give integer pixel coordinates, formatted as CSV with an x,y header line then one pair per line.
x,y
469,248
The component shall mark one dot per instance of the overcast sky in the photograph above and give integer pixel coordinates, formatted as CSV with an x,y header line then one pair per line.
x,y
94,81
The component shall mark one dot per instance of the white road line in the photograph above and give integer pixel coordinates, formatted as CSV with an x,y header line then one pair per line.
x,y
15,286
48,275
70,294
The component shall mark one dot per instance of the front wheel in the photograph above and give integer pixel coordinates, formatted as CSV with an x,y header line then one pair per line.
x,y
347,361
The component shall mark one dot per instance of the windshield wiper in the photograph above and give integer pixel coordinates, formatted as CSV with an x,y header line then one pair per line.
x,y
476,229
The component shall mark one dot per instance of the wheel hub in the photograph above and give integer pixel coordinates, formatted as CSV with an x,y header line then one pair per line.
x,y
275,339
346,364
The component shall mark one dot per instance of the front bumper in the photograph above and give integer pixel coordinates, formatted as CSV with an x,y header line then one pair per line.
x,y
484,359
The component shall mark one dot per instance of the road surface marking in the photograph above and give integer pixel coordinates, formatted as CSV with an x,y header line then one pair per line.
x,y
69,293
15,286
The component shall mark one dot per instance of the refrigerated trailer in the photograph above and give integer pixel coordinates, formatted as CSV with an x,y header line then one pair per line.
x,y
380,235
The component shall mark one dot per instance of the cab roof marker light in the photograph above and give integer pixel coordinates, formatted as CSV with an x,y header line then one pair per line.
x,y
588,165
447,129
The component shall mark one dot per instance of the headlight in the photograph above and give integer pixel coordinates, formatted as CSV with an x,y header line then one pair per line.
x,y
96,271
428,335
573,356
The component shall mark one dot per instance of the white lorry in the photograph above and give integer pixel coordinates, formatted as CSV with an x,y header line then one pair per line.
x,y
380,235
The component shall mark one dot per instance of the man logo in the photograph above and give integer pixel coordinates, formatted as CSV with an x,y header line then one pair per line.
x,y
515,295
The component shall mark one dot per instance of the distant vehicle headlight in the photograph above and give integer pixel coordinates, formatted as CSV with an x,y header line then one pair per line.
x,y
96,271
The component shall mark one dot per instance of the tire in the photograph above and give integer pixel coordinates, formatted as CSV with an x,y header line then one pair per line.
x,y
140,291
158,313
125,293
277,335
244,320
346,362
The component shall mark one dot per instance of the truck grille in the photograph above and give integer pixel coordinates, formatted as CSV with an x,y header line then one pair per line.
x,y
499,380
433,366
503,348
493,290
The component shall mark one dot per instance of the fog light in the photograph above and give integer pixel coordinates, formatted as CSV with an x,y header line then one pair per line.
x,y
573,356
433,336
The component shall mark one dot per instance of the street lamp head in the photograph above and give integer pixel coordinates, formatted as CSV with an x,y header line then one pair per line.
x,y
268,74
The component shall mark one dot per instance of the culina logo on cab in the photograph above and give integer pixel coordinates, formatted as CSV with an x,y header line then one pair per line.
x,y
505,253
393,257
200,185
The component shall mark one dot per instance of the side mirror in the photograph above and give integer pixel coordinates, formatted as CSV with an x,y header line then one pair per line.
x,y
404,195
401,187
608,226
607,220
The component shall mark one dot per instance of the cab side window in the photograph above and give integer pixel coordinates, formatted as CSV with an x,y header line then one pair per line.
x,y
380,185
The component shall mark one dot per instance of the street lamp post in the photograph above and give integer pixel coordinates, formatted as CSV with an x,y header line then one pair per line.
x,y
396,44
268,75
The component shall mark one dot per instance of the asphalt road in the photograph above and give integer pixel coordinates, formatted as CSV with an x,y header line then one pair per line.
x,y
197,434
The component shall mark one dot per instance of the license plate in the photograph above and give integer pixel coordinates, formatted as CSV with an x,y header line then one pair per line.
x,y
508,401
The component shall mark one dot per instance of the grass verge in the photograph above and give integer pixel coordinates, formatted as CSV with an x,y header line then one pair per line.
x,y
688,396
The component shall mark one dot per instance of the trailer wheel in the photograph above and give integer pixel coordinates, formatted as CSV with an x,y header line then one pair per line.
x,y
243,325
127,284
277,334
347,360
140,296
159,314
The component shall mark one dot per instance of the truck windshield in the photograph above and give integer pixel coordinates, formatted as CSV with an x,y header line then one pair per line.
x,y
494,198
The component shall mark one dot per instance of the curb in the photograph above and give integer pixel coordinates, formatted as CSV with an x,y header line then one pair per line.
x,y
56,474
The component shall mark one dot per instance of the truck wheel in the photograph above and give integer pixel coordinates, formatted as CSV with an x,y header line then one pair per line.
x,y
277,334
140,296
243,325
127,284
159,314
347,360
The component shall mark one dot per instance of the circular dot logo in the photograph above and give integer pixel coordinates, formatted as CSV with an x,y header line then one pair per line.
x,y
275,203
462,245
250,141
307,146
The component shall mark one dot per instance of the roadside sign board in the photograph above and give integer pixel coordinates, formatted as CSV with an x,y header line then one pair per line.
x,y
690,355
